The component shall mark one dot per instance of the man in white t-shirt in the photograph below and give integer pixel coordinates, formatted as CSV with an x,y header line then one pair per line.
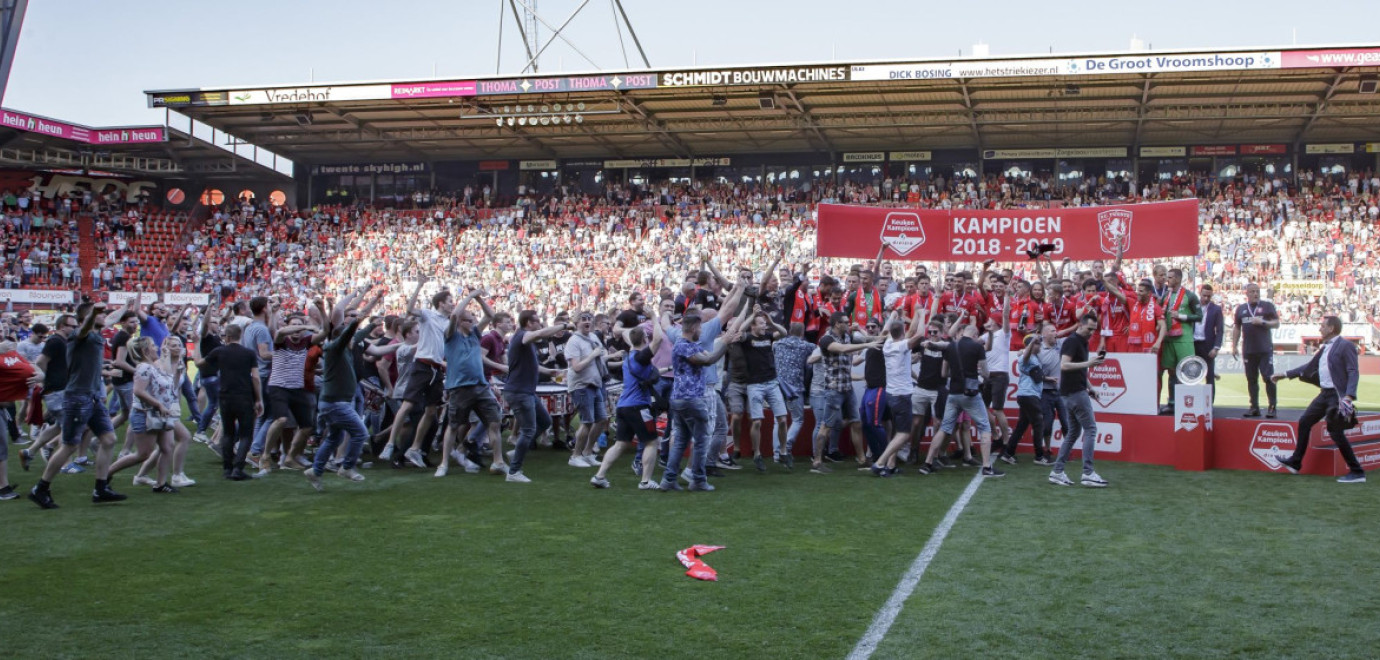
x,y
998,342
426,384
900,385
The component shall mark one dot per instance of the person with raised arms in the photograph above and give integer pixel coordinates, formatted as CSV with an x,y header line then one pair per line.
x,y
339,386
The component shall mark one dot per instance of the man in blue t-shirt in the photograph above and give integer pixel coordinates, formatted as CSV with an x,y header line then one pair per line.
x,y
467,390
689,412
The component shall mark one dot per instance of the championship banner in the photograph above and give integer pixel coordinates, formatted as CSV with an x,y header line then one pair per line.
x,y
1159,229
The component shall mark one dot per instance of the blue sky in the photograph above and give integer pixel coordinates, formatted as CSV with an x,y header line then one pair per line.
x,y
88,61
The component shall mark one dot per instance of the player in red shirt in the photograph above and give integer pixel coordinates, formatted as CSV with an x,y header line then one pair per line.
x,y
1118,319
1095,302
993,296
1146,328
919,298
1024,314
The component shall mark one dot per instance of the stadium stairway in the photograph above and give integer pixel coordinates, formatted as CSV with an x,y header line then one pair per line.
x,y
86,255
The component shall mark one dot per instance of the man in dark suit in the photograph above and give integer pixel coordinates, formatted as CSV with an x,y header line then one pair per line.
x,y
1207,336
1334,369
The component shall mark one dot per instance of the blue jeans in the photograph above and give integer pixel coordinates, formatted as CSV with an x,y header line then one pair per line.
x,y
691,427
212,388
796,407
264,421
532,420
1051,404
1080,420
977,411
716,425
340,418
189,393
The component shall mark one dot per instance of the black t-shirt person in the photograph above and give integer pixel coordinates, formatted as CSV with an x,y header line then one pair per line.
x,y
1256,338
1076,380
235,364
55,376
964,357
121,340
759,360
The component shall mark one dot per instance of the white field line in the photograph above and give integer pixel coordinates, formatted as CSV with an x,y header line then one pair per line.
x,y
887,615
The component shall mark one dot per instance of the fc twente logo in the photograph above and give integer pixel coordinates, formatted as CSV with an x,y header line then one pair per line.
x,y
1114,228
903,232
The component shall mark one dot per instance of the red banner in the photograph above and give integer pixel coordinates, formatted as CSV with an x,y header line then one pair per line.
x,y
1160,229
1256,149
1214,150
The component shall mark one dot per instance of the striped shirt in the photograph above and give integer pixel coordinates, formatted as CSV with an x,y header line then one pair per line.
x,y
289,365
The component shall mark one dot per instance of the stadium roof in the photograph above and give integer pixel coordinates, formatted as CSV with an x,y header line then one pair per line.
x,y
1261,97
34,142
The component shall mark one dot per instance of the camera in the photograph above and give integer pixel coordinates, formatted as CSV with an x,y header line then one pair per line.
x,y
1034,253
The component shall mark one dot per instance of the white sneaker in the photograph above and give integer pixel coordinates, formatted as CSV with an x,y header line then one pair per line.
x,y
387,453
470,466
648,485
1092,480
350,474
578,461
498,468
302,461
415,458
182,481
598,481
518,478
201,437
592,460
441,471
1060,479
141,480
264,473
458,457
314,479
509,455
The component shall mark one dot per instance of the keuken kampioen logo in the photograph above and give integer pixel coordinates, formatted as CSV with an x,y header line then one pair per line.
x,y
1108,381
1273,441
903,232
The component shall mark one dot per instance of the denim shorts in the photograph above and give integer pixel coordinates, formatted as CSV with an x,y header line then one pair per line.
x,y
840,408
138,422
590,404
768,393
80,412
736,396
52,406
